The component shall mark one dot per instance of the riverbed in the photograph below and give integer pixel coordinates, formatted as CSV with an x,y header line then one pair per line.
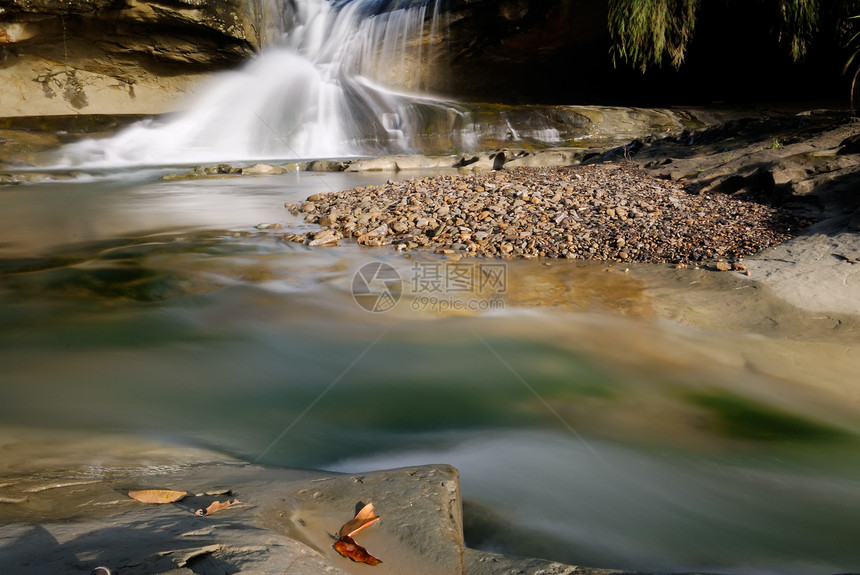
x,y
628,416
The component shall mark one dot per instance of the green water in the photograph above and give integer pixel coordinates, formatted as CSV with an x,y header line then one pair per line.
x,y
588,425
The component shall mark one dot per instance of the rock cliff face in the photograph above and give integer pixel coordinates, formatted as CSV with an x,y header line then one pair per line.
x,y
143,56
525,50
116,56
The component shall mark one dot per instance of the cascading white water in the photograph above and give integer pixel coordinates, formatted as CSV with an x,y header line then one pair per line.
x,y
340,79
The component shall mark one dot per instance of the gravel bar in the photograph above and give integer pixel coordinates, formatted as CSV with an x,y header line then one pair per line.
x,y
609,212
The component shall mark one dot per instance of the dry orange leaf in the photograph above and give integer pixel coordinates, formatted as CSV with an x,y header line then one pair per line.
x,y
158,496
216,506
366,516
347,546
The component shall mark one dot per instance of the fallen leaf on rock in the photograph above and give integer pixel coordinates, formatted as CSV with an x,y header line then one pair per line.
x,y
216,506
366,516
347,546
158,496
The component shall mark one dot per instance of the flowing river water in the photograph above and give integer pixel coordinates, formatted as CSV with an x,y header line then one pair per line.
x,y
645,417
638,417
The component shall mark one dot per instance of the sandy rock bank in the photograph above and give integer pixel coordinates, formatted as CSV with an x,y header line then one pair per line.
x,y
66,518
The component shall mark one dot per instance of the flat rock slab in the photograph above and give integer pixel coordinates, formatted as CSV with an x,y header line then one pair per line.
x,y
283,521
420,529
817,272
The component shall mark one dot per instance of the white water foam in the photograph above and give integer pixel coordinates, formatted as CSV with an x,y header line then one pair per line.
x,y
340,79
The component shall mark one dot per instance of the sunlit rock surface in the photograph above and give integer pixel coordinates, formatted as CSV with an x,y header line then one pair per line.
x,y
128,57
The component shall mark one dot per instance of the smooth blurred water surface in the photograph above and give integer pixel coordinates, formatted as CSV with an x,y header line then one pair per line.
x,y
586,428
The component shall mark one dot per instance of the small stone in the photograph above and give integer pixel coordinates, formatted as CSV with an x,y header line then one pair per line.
x,y
439,231
739,267
325,238
329,219
260,170
379,232
217,169
270,226
723,266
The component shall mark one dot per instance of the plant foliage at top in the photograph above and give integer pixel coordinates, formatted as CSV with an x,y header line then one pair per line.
x,y
648,32
644,32
854,45
798,23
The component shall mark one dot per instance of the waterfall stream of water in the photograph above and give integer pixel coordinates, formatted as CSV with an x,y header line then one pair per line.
x,y
338,79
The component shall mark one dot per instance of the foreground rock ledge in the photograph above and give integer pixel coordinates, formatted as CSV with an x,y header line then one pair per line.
x,y
285,523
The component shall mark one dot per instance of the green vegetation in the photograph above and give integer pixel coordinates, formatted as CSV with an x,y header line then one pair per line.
x,y
799,22
647,32
853,44
644,30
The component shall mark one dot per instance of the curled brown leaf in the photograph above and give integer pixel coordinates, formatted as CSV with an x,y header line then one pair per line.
x,y
365,517
216,506
157,496
347,546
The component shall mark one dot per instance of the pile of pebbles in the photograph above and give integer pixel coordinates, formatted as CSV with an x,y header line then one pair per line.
x,y
609,212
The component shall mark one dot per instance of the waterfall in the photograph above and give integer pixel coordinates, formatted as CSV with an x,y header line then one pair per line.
x,y
338,78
